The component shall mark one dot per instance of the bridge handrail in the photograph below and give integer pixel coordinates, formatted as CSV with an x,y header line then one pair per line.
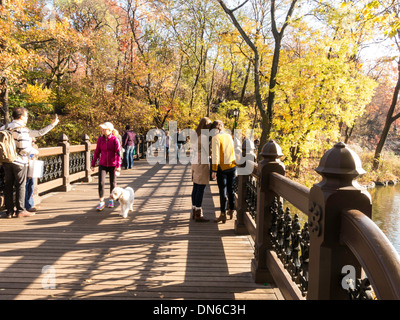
x,y
52,151
373,250
294,192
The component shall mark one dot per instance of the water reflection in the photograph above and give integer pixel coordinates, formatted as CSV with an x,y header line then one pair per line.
x,y
386,212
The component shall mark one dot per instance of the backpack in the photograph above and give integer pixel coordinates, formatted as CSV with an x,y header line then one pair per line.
x,y
8,149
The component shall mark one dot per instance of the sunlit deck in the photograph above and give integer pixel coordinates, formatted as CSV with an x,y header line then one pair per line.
x,y
157,253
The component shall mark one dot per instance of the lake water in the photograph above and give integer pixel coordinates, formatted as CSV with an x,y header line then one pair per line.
x,y
386,212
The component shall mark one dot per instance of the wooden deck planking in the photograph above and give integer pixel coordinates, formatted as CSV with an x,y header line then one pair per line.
x,y
157,253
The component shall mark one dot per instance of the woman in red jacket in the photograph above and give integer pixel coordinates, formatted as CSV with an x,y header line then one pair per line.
x,y
108,150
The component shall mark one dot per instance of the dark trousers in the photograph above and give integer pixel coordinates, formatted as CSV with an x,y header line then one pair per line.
x,y
197,194
102,179
226,181
15,175
29,188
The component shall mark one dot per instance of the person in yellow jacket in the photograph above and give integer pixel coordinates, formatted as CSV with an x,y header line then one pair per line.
x,y
223,168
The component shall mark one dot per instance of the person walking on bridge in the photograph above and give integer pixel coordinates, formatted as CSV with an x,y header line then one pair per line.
x,y
200,169
223,168
108,150
129,140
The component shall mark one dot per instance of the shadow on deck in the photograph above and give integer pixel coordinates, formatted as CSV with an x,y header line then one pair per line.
x,y
157,253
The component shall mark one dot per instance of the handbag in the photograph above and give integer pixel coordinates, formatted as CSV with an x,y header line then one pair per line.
x,y
35,168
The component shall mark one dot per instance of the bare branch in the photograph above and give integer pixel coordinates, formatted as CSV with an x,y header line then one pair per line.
x,y
233,10
238,27
288,16
275,31
273,20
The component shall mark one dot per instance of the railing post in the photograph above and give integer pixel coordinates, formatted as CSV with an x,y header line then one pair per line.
x,y
240,227
64,142
271,153
241,205
144,146
141,147
338,190
87,144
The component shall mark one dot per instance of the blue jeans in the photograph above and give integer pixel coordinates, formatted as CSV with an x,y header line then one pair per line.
x,y
197,194
129,157
226,181
29,187
178,149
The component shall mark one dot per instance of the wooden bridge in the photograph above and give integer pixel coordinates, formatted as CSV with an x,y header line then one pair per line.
x,y
70,251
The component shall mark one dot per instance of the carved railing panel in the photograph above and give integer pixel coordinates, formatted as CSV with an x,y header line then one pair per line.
x,y
77,162
52,169
251,195
291,243
91,158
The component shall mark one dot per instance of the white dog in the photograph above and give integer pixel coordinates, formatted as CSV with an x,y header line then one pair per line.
x,y
126,197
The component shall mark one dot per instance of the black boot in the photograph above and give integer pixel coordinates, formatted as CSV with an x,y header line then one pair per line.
x,y
221,218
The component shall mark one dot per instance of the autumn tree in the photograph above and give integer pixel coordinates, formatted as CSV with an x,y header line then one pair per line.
x,y
386,16
146,62
101,88
278,33
18,29
319,88
369,126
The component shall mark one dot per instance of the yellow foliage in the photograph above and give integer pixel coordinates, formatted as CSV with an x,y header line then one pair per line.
x,y
36,94
319,89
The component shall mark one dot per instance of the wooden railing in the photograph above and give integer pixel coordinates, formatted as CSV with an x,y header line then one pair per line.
x,y
338,253
67,163
373,251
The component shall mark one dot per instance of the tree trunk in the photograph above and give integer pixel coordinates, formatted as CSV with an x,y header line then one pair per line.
x,y
389,120
246,80
272,82
348,133
4,99
256,64
266,115
380,145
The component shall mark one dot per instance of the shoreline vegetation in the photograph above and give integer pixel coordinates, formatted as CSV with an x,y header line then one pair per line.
x,y
388,172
